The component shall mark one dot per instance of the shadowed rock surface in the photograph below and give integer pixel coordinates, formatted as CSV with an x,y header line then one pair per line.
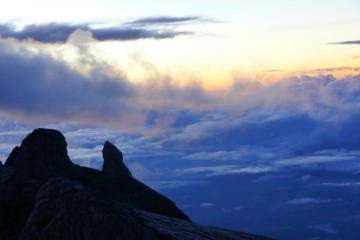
x,y
113,161
177,229
43,195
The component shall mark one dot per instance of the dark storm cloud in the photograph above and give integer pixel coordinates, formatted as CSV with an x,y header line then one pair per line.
x,y
59,32
348,42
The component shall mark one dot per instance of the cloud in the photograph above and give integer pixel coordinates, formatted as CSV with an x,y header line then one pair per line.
x,y
306,177
289,113
326,228
238,208
11,134
244,153
134,34
292,114
252,128
308,200
87,157
273,70
227,170
272,177
305,160
5,150
207,205
329,70
347,42
171,184
266,142
60,32
161,20
38,85
332,160
343,184
177,139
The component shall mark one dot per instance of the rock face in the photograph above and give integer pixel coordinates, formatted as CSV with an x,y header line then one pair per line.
x,y
68,210
113,161
43,195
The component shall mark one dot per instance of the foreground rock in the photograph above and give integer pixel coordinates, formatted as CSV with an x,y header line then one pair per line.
x,y
43,195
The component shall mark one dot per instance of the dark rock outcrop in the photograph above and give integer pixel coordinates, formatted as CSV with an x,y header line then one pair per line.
x,y
97,218
43,195
113,161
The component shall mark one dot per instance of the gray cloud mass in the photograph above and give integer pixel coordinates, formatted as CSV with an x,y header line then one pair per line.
x,y
59,32
38,84
164,20
348,42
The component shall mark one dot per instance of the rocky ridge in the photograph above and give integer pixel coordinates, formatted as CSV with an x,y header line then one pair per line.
x,y
43,195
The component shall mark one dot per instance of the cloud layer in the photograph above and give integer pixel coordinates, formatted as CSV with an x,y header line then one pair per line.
x,y
38,85
164,20
245,157
144,28
348,42
303,114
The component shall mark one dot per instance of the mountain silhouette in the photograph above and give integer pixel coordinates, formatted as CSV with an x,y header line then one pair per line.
x,y
44,195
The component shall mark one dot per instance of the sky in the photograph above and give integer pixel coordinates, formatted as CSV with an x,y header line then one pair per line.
x,y
245,113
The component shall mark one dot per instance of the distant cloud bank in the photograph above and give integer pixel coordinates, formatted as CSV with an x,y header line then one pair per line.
x,y
144,28
347,42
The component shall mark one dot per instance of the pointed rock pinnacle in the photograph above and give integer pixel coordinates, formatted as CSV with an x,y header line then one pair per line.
x,y
113,161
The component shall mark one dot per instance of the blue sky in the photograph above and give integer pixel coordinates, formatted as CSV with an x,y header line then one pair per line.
x,y
245,113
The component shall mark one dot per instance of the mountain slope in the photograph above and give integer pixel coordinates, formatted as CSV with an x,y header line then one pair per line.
x,y
43,195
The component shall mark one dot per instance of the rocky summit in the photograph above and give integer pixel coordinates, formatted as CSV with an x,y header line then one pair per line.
x,y
44,195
